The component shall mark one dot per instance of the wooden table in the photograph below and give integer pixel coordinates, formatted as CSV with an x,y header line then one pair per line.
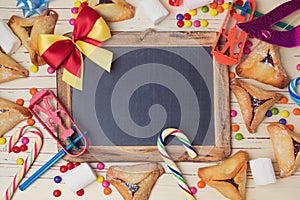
x,y
257,145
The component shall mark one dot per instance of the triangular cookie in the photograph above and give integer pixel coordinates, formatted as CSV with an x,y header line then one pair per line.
x,y
10,69
134,182
286,145
10,115
113,10
263,64
229,177
28,29
254,102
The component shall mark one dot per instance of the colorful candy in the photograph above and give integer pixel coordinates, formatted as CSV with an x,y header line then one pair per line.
x,y
204,9
193,190
220,2
187,16
34,68
298,67
72,21
196,23
213,12
57,193
180,23
105,184
187,23
204,23
238,136
225,6
25,140
285,113
20,161
193,12
179,16
247,50
50,70
32,91
29,159
23,147
16,149
233,113
100,165
30,122
100,179
107,191
20,102
2,140
80,192
213,5
70,165
220,9
235,127
269,113
296,111
282,121
283,100
290,126
57,179
74,10
77,4
231,75
171,164
274,111
201,184
63,169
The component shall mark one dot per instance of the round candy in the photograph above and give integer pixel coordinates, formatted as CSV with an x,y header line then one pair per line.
x,y
50,70
201,184
239,2
290,126
247,50
25,140
107,191
274,111
248,43
80,192
72,21
2,140
83,4
193,12
74,10
232,12
76,164
20,102
204,9
213,5
187,16
284,100
63,169
213,12
34,69
238,136
70,165
296,111
30,122
233,113
16,149
20,161
33,91
188,23
23,147
220,2
100,165
231,75
193,190
285,113
225,6
269,113
179,16
298,67
105,183
204,23
282,121
235,127
57,179
220,9
196,23
75,15
56,193
77,4
100,179
240,44
180,23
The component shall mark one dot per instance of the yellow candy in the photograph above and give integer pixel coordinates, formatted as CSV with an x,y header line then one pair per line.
x,y
20,161
213,12
34,69
84,0
100,179
193,12
2,140
204,23
225,6
75,16
77,4
285,113
187,23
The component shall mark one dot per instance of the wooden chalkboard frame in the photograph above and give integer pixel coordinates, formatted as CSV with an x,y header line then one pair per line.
x,y
222,147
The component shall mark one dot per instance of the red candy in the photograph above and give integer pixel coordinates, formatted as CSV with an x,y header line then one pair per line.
x,y
180,23
187,16
16,149
83,4
23,147
239,3
80,192
175,2
70,165
76,164
56,193
63,169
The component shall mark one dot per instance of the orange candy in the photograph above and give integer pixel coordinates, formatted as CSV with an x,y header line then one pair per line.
x,y
33,91
231,75
220,9
290,126
284,100
30,122
201,184
20,102
107,191
235,127
296,111
213,5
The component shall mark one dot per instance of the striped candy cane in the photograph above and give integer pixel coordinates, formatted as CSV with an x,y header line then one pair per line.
x,y
171,164
28,161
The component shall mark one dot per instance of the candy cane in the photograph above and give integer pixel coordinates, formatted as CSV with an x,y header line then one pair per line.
x,y
171,164
28,161
292,88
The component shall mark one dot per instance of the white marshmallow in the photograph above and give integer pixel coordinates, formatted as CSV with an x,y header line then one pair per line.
x,y
154,10
9,42
262,171
193,4
79,177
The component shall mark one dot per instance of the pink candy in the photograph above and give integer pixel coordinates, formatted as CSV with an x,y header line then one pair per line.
x,y
100,165
298,67
233,113
193,190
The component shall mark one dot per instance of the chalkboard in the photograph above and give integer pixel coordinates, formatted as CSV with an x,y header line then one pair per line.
x,y
153,86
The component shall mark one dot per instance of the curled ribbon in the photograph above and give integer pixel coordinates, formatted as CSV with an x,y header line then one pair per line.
x,y
90,30
31,7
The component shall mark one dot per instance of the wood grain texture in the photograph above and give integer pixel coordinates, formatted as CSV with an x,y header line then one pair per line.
x,y
257,145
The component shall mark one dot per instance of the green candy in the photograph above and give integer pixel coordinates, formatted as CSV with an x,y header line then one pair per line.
x,y
205,9
238,136
274,111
